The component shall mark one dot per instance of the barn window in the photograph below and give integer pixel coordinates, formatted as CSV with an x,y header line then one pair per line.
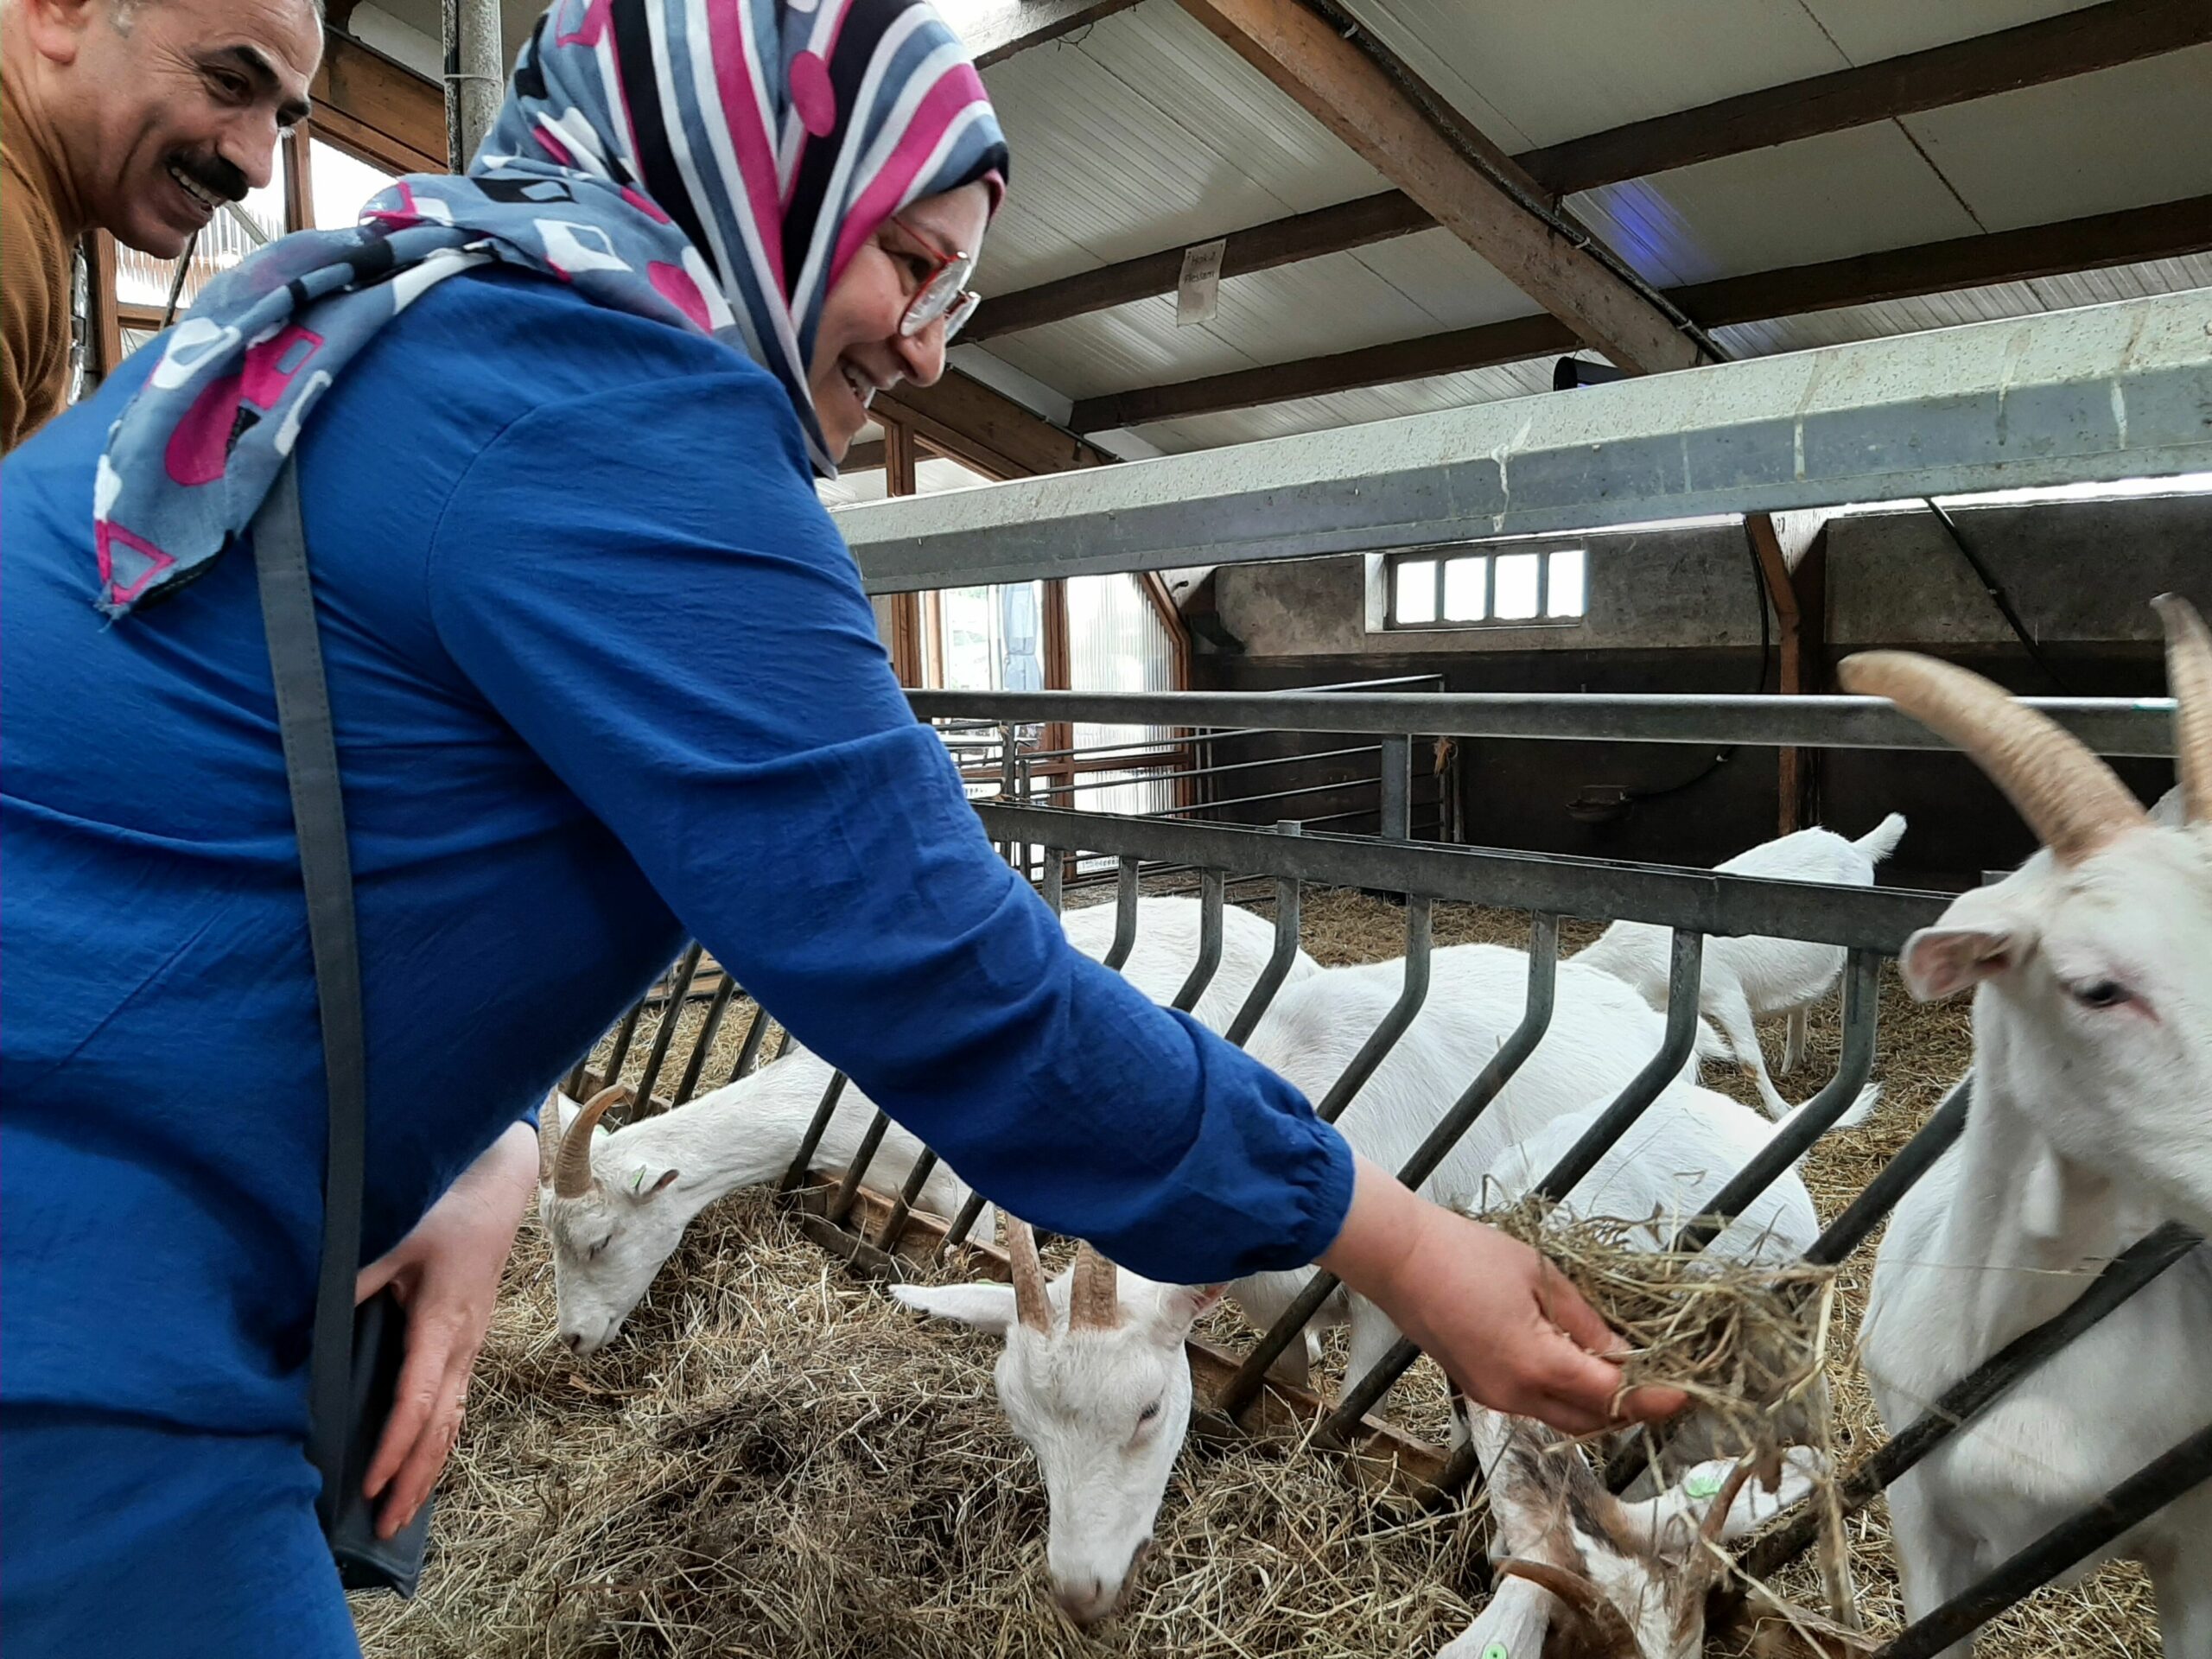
x,y
1434,587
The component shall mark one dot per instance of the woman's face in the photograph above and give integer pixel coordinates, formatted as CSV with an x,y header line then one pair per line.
x,y
858,350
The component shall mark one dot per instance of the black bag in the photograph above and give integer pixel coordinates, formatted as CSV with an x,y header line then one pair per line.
x,y
354,1368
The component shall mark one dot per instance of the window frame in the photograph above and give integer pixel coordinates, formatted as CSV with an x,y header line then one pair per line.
x,y
1444,555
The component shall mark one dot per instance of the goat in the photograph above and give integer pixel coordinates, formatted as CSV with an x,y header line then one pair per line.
x,y
616,1205
2092,971
1104,1405
1747,979
1581,1570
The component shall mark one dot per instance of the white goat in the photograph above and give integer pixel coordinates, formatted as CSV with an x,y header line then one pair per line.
x,y
1749,979
615,1205
2090,1127
1104,1401
1599,1576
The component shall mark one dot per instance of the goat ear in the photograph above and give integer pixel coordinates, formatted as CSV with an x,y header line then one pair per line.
x,y
985,1308
1183,1306
644,1183
1940,961
1671,1519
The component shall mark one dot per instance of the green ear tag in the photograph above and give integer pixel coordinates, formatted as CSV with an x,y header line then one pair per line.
x,y
1496,1651
1702,1485
639,1179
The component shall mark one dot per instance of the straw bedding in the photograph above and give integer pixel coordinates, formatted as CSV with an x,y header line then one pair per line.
x,y
778,1460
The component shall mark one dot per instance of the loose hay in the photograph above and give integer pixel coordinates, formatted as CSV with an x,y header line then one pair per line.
x,y
778,1460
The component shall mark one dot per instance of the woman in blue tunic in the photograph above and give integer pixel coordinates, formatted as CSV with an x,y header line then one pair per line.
x,y
603,675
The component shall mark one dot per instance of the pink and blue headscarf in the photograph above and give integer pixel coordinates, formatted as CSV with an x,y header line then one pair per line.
x,y
713,164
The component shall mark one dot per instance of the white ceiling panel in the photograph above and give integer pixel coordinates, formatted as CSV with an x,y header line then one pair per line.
x,y
2122,137
1824,198
1529,75
1869,30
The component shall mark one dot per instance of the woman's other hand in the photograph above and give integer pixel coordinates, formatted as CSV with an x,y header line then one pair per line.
x,y
1506,1326
446,1274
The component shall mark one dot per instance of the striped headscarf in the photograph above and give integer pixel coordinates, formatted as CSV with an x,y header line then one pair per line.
x,y
714,164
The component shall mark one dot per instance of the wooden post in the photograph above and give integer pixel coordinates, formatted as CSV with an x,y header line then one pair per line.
x,y
299,183
905,608
105,347
1783,595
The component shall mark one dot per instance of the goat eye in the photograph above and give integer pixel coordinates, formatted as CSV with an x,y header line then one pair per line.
x,y
1148,1413
592,1255
2100,993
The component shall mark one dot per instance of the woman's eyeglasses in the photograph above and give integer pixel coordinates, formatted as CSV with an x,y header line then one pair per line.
x,y
943,293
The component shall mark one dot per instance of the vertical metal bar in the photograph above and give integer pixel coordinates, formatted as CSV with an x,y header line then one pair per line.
x,y
695,1068
1125,913
815,1130
916,1178
863,1155
1420,911
1009,787
1213,889
2127,1506
1910,1162
1512,1054
962,1224
1650,1082
1262,993
1055,880
1396,783
671,1011
2122,1277
748,1051
1861,1001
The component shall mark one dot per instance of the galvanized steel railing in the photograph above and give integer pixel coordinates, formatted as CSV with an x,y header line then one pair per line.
x,y
1870,924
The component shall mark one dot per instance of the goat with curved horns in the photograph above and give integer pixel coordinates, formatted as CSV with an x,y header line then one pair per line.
x,y
2091,1125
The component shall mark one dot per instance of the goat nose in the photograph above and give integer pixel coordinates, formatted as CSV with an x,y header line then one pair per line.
x,y
573,1341
1085,1600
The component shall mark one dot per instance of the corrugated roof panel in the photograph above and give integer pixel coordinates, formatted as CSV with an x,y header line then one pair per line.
x,y
1446,277
1528,75
1868,30
2122,137
1146,133
1824,198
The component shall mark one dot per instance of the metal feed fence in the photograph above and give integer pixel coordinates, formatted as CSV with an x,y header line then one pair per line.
x,y
1869,923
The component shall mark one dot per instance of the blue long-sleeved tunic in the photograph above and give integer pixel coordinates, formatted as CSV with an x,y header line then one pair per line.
x,y
603,675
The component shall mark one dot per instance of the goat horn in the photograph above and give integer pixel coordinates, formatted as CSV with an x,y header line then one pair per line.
x,y
1029,1303
1710,1561
2189,676
548,1136
1601,1628
1095,1300
572,1176
2071,799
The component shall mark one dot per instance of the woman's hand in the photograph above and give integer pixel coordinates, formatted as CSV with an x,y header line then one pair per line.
x,y
1507,1327
446,1274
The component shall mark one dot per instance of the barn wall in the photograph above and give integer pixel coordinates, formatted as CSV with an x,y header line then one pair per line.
x,y
1675,610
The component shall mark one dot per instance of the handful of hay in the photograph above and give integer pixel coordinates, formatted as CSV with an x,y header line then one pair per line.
x,y
1747,1341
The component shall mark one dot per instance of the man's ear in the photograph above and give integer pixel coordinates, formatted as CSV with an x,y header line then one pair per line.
x,y
56,29
986,1308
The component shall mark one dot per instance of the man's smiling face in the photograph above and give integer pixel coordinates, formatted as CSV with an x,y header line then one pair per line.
x,y
174,106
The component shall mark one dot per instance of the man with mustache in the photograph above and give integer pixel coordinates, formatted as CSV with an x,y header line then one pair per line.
x,y
135,117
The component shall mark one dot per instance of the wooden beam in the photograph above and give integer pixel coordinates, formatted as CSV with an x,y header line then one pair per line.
x,y
1262,247
299,181
996,32
2133,236
378,106
905,608
966,420
2051,49
1774,573
1349,91
863,458
2054,49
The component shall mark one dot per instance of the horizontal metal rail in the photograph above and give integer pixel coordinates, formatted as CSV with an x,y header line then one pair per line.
x,y
2117,726
1206,772
2127,1506
1701,901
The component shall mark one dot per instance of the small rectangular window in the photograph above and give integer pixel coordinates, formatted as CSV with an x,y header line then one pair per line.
x,y
1465,583
1564,584
1416,593
1517,576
